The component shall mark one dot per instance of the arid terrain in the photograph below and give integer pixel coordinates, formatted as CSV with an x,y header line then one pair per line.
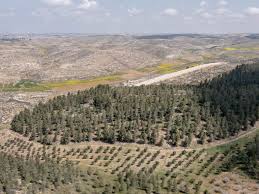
x,y
62,57
37,68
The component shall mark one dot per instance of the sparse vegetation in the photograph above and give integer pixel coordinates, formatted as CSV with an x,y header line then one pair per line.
x,y
121,140
241,48
140,168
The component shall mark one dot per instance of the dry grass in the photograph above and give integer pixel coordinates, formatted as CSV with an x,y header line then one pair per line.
x,y
241,49
31,86
167,67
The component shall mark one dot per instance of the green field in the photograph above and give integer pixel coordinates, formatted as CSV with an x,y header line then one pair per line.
x,y
24,85
98,80
32,86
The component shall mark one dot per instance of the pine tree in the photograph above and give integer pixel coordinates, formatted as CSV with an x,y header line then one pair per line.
x,y
202,137
168,130
257,145
154,135
65,139
172,185
55,138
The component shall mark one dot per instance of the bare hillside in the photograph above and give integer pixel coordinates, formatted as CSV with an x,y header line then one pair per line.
x,y
59,57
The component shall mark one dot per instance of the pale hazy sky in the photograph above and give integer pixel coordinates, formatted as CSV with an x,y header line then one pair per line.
x,y
129,16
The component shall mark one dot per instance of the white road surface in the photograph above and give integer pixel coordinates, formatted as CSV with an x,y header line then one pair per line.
x,y
177,74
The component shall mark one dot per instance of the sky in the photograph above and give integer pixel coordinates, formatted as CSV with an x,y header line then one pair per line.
x,y
129,16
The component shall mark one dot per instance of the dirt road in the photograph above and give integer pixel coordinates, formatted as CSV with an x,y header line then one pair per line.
x,y
6,134
176,74
234,138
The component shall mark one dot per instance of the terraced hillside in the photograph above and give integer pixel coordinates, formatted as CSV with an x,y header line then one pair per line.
x,y
127,168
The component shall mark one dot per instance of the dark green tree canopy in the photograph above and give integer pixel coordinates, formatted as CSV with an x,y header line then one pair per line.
x,y
214,110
